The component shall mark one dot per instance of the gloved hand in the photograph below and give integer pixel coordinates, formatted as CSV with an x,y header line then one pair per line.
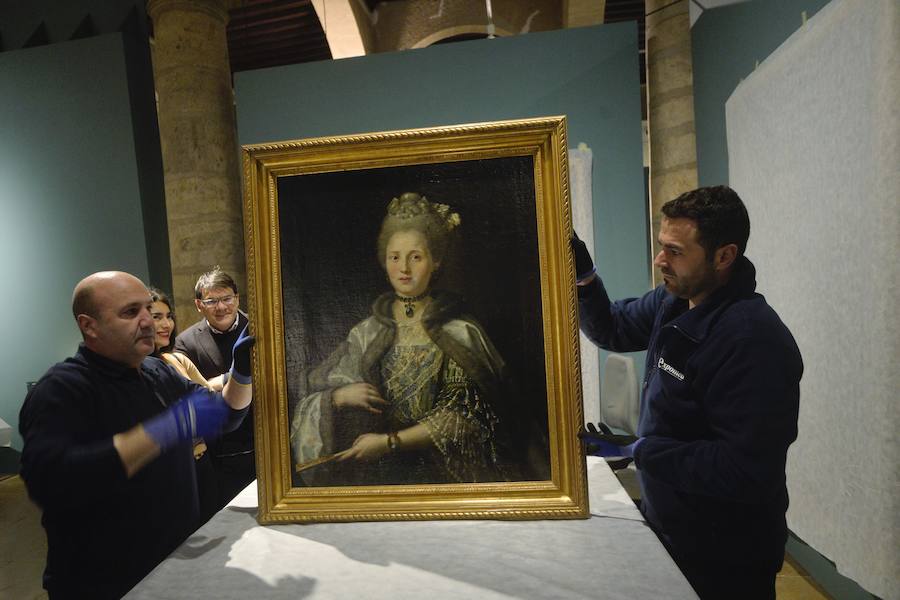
x,y
240,362
584,264
605,443
199,414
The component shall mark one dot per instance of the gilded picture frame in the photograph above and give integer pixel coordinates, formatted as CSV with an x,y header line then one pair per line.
x,y
312,211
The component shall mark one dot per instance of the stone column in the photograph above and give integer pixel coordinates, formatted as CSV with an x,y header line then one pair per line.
x,y
199,144
670,107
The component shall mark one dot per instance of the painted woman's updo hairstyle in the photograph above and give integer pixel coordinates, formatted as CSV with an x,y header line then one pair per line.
x,y
413,212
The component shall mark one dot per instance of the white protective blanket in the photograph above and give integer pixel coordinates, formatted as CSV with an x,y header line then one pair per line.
x,y
613,555
813,138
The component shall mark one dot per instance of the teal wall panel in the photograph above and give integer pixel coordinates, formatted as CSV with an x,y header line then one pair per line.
x,y
70,196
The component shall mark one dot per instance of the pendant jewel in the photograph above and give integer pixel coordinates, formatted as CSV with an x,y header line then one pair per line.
x,y
409,304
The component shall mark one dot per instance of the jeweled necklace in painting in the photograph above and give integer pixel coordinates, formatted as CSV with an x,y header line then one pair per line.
x,y
409,303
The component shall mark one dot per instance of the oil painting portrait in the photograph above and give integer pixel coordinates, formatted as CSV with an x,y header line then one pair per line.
x,y
411,332
417,391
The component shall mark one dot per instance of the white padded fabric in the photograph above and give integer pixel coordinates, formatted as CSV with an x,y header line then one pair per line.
x,y
581,162
814,151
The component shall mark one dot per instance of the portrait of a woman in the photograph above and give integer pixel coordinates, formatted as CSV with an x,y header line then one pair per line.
x,y
416,392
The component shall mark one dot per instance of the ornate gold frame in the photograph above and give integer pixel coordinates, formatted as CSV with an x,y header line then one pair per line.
x,y
564,495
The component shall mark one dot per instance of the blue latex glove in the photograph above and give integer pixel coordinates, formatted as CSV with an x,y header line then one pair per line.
x,y
598,443
241,371
199,414
584,264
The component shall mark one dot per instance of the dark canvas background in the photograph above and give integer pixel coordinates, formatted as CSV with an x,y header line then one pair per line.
x,y
329,225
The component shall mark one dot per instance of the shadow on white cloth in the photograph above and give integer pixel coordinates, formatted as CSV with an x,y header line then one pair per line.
x,y
233,557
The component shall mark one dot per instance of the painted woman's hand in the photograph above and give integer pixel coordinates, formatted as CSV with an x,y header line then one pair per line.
x,y
368,446
359,395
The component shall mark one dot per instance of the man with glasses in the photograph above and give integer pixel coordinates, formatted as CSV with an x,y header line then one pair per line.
x,y
208,344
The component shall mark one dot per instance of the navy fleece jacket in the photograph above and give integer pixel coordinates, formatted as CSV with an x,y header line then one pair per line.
x,y
718,411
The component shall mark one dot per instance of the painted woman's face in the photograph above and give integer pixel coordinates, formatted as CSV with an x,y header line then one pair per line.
x,y
164,322
408,263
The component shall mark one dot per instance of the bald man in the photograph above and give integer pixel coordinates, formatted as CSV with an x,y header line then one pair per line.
x,y
108,444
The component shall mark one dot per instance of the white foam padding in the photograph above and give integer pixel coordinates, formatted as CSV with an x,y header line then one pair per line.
x,y
581,162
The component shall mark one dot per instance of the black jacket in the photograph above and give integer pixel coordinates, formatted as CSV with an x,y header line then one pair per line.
x,y
105,531
718,411
198,343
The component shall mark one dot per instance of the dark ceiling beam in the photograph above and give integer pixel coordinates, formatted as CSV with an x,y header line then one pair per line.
x,y
275,47
622,13
266,33
283,59
264,23
279,47
307,28
278,61
254,14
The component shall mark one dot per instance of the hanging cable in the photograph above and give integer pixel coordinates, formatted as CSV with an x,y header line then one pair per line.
x,y
490,16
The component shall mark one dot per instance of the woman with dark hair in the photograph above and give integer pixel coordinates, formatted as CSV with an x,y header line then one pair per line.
x,y
415,393
164,321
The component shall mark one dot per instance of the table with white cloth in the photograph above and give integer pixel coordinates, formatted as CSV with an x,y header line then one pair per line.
x,y
611,555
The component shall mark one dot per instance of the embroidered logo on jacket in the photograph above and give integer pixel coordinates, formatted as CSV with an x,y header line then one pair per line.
x,y
664,366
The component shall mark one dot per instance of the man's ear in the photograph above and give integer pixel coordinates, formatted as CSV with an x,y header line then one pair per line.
x,y
88,325
725,256
198,305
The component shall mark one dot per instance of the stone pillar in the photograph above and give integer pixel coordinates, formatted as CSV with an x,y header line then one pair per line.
x,y
670,108
199,144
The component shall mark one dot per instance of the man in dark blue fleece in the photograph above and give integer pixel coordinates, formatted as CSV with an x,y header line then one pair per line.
x,y
108,450
720,396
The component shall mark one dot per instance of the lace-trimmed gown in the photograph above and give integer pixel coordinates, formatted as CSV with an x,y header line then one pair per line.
x,y
441,371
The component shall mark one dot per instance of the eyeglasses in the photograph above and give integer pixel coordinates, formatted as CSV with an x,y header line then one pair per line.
x,y
212,302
